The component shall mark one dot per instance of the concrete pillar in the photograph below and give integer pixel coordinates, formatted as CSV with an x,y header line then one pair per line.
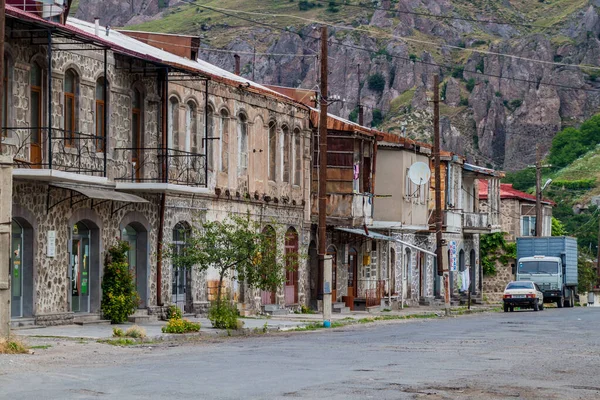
x,y
5,229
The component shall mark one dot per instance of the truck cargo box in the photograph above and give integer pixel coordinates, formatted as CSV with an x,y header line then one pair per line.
x,y
555,246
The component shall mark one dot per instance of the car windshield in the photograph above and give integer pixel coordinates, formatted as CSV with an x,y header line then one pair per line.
x,y
519,285
538,267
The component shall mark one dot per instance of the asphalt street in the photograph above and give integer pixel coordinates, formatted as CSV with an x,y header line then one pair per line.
x,y
551,354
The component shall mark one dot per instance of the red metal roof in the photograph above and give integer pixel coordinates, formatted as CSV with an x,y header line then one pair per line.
x,y
507,191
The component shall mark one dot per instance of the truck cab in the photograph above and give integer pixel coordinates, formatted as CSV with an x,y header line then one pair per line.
x,y
547,273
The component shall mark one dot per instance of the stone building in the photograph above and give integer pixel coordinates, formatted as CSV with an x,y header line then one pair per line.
x,y
463,221
115,139
518,218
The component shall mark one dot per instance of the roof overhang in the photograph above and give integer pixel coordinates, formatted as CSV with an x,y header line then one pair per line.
x,y
379,236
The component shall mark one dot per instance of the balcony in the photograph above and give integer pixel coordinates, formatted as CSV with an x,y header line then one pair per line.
x,y
146,166
343,209
61,156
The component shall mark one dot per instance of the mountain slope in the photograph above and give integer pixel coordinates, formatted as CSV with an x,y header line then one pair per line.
x,y
495,108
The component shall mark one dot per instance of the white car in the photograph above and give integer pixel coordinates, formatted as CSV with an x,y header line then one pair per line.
x,y
523,294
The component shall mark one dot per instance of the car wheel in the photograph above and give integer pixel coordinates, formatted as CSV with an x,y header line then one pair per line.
x,y
536,306
512,309
541,306
561,302
506,308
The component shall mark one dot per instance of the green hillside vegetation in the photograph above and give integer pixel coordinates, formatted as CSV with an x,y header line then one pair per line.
x,y
574,160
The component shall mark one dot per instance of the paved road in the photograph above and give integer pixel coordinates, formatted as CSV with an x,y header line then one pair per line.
x,y
552,354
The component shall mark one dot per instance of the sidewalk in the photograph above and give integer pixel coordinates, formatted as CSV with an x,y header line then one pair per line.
x,y
276,323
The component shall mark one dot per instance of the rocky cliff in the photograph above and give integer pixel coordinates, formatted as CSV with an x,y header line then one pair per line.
x,y
496,108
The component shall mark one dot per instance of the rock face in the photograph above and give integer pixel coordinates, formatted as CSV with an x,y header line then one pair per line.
x,y
495,110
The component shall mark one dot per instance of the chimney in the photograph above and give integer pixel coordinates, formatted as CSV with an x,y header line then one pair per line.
x,y
237,64
360,115
97,26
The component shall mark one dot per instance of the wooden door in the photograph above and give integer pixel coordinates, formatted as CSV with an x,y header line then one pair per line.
x,y
352,277
136,153
35,147
291,263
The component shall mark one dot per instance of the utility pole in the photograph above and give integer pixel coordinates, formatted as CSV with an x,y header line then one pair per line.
x,y
538,192
324,264
5,205
439,251
360,106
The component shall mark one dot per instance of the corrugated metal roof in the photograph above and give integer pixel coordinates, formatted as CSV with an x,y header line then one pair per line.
x,y
507,191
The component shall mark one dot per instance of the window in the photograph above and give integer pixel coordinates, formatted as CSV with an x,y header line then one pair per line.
x,y
100,115
242,144
527,225
519,285
70,107
272,151
191,128
297,158
136,132
538,267
285,151
36,115
209,143
224,140
407,186
173,132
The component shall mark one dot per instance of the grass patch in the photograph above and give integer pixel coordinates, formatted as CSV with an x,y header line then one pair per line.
x,y
134,332
119,342
402,101
12,346
41,346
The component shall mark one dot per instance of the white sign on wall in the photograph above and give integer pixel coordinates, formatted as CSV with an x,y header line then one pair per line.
x,y
51,252
452,255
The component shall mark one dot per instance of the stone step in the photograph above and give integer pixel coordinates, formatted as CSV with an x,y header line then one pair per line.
x,y
338,305
140,319
270,307
89,319
374,309
341,310
23,323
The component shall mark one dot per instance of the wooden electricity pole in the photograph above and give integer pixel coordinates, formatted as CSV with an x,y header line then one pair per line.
x,y
322,228
538,192
5,205
439,251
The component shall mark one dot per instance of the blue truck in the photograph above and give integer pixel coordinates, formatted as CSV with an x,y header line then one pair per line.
x,y
551,262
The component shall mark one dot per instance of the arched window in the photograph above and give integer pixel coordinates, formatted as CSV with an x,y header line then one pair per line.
x,y
285,151
136,132
191,128
35,150
297,152
224,132
210,125
406,271
242,143
173,131
100,114
272,151
392,288
70,107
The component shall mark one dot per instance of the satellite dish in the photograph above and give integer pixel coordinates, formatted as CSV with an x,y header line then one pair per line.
x,y
419,173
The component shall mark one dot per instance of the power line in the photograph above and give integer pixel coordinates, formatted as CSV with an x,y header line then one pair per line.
x,y
425,42
429,15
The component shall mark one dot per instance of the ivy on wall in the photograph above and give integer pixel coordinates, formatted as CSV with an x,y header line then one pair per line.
x,y
494,248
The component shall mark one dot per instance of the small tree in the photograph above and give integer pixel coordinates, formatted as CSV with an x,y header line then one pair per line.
x,y
237,248
119,296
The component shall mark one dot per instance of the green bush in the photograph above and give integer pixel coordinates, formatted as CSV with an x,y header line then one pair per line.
x,y
223,315
119,296
471,84
464,101
174,312
332,7
580,184
377,117
118,332
180,326
457,72
353,116
376,82
304,5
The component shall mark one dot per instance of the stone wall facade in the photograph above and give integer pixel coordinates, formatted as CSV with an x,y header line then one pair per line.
x,y
44,199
